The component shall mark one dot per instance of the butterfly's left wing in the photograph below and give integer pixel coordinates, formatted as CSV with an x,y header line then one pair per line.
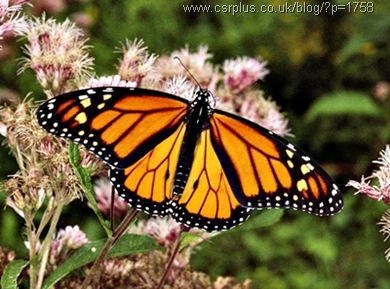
x,y
266,171
118,124
147,184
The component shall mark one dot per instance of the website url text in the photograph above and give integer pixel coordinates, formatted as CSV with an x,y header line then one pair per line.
x,y
295,7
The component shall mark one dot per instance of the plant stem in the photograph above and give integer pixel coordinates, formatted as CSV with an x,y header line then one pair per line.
x,y
94,274
171,258
32,240
46,243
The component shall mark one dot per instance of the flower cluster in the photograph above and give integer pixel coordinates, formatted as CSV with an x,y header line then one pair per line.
x,y
11,18
136,64
65,242
103,194
57,53
45,182
243,72
380,190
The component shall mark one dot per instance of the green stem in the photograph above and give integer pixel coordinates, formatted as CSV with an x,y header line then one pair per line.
x,y
94,274
47,214
45,250
32,241
172,258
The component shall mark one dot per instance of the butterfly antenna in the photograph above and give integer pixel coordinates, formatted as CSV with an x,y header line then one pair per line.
x,y
192,76
185,67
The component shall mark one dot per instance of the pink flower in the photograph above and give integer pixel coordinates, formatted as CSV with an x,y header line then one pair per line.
x,y
66,240
275,122
56,52
180,86
103,190
380,192
136,62
196,63
243,72
381,91
11,19
164,230
72,237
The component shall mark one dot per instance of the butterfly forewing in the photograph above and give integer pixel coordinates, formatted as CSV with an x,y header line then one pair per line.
x,y
120,125
266,171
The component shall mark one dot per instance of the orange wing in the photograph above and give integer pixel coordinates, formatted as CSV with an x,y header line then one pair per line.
x,y
120,125
207,201
147,184
238,166
266,171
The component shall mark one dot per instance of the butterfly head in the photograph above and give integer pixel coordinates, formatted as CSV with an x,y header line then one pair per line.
x,y
205,96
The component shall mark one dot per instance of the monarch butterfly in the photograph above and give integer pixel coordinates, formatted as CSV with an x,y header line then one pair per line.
x,y
205,167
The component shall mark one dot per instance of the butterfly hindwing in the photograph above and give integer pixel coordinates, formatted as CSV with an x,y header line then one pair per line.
x,y
266,171
207,200
147,184
118,124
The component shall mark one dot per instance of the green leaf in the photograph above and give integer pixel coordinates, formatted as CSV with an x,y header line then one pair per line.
x,y
343,103
85,180
9,280
188,238
74,154
81,172
132,244
263,219
126,245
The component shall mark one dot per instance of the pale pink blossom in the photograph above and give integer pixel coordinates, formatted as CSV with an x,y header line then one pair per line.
x,y
180,86
136,62
381,190
274,121
56,52
72,237
381,91
103,194
243,72
11,17
200,70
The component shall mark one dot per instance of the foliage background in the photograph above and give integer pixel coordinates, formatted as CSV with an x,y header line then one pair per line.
x,y
324,69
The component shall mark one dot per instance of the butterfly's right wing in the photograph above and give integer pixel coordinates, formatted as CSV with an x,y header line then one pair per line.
x,y
266,171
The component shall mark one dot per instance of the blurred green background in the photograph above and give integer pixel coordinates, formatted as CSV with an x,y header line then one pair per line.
x,y
329,74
